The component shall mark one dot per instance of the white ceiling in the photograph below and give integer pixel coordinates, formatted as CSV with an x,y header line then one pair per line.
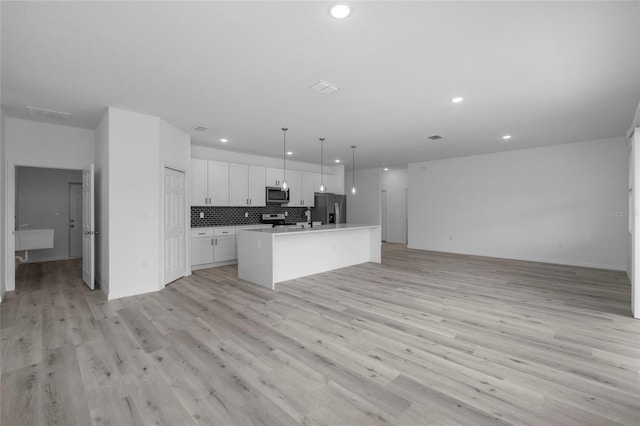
x,y
545,72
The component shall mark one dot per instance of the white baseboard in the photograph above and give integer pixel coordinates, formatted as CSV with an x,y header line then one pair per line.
x,y
131,292
532,259
51,259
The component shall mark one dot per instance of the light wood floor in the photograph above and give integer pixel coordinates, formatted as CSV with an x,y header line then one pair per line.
x,y
424,338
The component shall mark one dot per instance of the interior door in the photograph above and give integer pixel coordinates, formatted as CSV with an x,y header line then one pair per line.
x,y
174,225
75,219
88,228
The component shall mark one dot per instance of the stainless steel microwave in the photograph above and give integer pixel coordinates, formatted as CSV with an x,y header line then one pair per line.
x,y
276,195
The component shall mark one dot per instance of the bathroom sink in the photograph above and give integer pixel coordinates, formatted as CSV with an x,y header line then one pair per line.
x,y
34,239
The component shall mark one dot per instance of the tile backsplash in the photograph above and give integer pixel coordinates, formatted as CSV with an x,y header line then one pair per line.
x,y
229,216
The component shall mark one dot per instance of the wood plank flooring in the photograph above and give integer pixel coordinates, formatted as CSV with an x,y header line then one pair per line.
x,y
424,338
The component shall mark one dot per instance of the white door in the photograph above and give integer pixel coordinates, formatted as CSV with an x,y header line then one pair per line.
x,y
88,229
174,226
75,220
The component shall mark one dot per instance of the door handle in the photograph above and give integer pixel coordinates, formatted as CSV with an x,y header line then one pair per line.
x,y
70,226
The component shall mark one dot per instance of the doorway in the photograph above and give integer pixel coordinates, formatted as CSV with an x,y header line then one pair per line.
x,y
41,207
75,220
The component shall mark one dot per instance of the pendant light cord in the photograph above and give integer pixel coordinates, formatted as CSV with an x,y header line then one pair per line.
x,y
322,165
284,154
353,171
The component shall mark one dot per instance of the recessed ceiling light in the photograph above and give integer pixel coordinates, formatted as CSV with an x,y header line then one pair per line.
x,y
340,11
223,140
289,152
457,100
506,137
386,169
337,160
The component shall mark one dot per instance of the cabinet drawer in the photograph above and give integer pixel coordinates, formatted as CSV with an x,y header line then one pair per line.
x,y
218,232
201,233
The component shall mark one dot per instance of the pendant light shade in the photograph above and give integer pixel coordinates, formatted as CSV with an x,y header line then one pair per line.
x,y
322,187
353,171
284,185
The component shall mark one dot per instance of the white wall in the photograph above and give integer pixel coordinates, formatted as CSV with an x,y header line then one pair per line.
x,y
134,214
175,146
395,182
101,186
562,204
42,201
49,144
364,207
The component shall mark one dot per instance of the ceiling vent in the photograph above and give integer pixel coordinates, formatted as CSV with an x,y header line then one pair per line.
x,y
200,128
324,87
435,137
48,113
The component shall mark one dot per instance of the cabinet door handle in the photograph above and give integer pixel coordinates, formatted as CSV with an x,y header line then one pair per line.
x,y
212,241
216,242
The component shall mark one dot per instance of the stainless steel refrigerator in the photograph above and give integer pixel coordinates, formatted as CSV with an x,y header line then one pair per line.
x,y
329,208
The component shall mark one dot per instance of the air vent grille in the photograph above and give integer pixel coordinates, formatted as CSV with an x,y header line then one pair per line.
x,y
48,113
435,137
324,87
200,128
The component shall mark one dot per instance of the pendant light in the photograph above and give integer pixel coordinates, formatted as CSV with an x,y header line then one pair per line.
x,y
322,187
353,172
284,159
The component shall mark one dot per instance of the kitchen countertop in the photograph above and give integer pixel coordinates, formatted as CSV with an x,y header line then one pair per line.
x,y
321,228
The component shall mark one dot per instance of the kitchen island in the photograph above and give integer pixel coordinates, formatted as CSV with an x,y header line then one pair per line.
x,y
272,255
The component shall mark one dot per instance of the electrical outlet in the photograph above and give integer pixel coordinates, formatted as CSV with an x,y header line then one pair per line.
x,y
201,215
286,214
246,214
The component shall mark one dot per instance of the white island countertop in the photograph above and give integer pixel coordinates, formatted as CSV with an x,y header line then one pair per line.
x,y
321,228
271,255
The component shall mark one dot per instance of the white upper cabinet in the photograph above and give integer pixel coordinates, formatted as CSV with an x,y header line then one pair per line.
x,y
246,185
238,184
295,188
209,183
308,189
218,183
199,195
257,185
274,177
333,183
301,186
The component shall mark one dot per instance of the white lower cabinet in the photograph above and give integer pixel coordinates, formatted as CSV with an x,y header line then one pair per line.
x,y
201,247
224,244
210,246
